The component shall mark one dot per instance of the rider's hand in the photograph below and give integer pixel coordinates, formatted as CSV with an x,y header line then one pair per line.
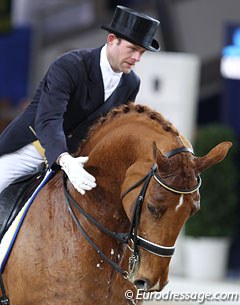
x,y
79,177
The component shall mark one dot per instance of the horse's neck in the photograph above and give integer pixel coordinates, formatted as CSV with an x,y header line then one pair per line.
x,y
113,155
116,147
109,159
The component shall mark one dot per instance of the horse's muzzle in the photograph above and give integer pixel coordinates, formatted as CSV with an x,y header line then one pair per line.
x,y
142,284
145,285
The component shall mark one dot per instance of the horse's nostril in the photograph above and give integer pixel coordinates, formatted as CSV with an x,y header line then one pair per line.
x,y
142,284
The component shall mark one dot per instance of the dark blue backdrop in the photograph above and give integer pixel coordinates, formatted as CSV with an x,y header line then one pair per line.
x,y
15,48
230,113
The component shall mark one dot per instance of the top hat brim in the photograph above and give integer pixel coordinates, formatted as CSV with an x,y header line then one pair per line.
x,y
154,47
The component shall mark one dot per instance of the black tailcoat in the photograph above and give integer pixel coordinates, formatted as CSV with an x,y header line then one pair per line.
x,y
70,92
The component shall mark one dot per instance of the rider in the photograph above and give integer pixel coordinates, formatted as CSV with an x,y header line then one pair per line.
x,y
78,86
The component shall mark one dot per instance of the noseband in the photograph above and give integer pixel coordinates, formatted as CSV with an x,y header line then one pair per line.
x,y
131,237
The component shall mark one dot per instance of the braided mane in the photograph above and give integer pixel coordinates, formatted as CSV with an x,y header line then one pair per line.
x,y
124,110
137,108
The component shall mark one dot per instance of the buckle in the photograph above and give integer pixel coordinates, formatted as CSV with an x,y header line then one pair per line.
x,y
4,301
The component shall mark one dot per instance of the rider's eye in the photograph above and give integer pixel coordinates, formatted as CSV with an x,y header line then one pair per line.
x,y
155,211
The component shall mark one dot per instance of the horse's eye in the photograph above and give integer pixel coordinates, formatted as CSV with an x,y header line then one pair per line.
x,y
153,210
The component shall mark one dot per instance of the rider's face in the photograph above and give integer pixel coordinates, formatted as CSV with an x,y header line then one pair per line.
x,y
123,55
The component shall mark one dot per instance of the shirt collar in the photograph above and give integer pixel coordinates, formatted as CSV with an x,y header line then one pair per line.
x,y
105,65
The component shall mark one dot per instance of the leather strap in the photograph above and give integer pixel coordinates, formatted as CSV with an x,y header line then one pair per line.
x,y
178,150
3,299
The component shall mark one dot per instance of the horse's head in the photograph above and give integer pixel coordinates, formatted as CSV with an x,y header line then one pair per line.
x,y
166,198
137,153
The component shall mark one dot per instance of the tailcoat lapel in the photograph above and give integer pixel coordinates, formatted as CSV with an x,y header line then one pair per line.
x,y
95,80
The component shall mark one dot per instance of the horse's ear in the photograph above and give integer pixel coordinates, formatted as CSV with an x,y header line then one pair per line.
x,y
216,155
161,160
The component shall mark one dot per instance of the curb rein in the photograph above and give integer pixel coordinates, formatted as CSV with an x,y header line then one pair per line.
x,y
132,236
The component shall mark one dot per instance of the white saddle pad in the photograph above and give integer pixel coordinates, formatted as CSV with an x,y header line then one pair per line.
x,y
11,234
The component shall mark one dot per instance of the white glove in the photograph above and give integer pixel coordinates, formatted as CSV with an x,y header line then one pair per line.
x,y
79,177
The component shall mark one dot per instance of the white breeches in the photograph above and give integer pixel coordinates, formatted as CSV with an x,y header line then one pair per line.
x,y
22,162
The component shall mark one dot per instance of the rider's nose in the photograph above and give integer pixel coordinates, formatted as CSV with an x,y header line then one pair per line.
x,y
137,56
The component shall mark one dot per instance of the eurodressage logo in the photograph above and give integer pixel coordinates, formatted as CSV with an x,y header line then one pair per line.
x,y
199,297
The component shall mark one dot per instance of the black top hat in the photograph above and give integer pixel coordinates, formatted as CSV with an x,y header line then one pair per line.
x,y
135,27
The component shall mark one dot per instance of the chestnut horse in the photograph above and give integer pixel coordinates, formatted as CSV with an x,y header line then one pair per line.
x,y
147,186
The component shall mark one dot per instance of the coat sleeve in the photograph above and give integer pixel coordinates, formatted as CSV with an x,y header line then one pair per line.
x,y
58,84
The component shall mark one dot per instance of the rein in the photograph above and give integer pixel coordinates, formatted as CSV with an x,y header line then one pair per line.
x,y
132,236
122,237
4,300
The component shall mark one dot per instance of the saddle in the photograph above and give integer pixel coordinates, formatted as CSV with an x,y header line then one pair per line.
x,y
13,198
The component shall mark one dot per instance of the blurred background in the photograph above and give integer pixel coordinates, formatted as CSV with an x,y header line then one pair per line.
x,y
194,82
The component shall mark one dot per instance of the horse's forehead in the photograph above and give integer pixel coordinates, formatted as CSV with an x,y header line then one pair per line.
x,y
181,170
182,163
186,165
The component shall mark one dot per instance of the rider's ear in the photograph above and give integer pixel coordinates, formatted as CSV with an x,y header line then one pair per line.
x,y
161,160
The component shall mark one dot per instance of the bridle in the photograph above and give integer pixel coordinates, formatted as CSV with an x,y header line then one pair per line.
x,y
131,236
